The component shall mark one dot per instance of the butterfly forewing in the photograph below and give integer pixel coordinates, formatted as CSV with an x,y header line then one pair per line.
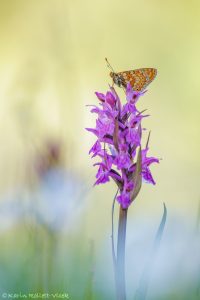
x,y
139,78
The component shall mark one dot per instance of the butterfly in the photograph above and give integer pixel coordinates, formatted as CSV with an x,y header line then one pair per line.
x,y
139,78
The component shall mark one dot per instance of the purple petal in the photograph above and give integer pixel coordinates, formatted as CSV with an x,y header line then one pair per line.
x,y
147,176
124,200
100,96
96,148
131,95
92,130
110,99
123,161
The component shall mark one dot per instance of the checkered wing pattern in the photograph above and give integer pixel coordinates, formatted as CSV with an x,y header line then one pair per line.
x,y
139,78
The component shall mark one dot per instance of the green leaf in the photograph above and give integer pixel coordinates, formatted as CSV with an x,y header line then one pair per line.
x,y
145,278
137,177
115,135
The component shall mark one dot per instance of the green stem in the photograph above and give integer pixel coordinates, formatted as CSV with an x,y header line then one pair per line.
x,y
112,240
120,263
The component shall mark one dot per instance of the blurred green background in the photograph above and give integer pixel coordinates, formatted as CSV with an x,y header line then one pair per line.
x,y
54,226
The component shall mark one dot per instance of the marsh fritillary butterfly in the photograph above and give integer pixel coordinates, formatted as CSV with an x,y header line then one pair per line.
x,y
139,78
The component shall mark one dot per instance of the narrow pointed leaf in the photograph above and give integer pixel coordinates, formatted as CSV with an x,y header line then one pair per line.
x,y
145,278
115,135
137,178
147,144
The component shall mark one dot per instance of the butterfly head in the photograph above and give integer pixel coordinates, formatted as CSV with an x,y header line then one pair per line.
x,y
112,74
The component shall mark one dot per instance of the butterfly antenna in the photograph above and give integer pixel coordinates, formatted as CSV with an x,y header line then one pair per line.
x,y
109,65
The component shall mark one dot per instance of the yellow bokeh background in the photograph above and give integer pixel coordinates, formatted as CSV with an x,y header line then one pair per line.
x,y
51,63
52,60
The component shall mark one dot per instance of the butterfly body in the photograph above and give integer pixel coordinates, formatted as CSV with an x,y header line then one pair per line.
x,y
139,78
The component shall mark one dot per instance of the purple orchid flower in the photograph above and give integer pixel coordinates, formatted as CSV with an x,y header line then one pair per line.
x,y
118,145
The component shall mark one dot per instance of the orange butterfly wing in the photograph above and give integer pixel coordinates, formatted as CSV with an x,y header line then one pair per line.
x,y
139,78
